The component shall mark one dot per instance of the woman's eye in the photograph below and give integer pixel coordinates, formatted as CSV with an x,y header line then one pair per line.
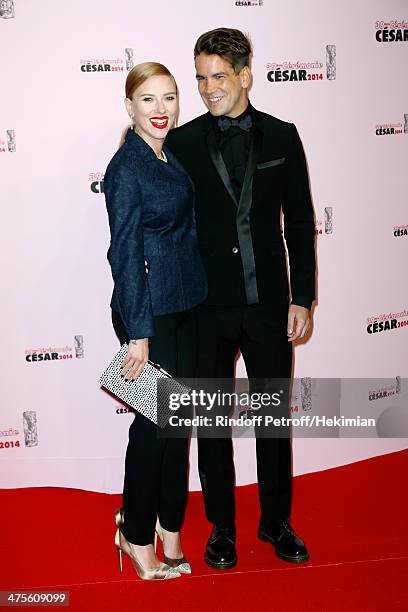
x,y
147,99
171,98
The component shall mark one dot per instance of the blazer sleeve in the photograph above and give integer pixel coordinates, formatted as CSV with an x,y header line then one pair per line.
x,y
299,224
126,251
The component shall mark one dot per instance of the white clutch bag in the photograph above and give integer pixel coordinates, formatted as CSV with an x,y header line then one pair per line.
x,y
148,394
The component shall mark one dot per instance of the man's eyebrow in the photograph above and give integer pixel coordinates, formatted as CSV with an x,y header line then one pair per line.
x,y
212,75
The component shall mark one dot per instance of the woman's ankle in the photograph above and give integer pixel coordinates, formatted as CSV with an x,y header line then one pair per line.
x,y
146,555
172,544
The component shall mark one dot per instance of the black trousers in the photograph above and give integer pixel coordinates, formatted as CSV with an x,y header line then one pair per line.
x,y
259,332
156,468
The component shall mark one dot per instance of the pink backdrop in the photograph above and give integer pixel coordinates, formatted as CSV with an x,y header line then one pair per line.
x,y
60,123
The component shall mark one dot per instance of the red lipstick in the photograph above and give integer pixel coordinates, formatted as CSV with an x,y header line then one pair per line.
x,y
159,122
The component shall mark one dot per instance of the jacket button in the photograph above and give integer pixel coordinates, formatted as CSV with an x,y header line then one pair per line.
x,y
235,250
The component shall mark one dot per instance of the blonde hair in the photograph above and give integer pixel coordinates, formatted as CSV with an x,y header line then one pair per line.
x,y
141,72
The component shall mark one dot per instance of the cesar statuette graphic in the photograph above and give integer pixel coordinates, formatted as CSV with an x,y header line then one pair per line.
x,y
129,58
7,9
331,62
79,347
328,220
11,141
306,393
30,428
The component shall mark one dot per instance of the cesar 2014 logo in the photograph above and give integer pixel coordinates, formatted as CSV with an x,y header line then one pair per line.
x,y
248,2
392,129
391,31
287,71
109,65
56,353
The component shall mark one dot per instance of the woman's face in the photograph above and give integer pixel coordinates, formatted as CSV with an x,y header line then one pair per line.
x,y
154,108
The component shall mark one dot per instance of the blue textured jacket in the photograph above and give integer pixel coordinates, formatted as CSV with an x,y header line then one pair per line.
x,y
153,251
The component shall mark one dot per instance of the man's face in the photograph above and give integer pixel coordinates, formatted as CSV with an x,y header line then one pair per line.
x,y
223,91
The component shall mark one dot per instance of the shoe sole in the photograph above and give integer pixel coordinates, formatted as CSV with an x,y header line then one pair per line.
x,y
265,538
220,566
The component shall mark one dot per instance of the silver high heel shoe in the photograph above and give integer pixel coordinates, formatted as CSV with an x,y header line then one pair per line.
x,y
180,565
162,572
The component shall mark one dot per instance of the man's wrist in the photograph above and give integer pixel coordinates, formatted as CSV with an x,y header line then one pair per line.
x,y
304,301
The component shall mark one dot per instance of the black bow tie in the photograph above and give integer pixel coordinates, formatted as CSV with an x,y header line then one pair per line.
x,y
224,123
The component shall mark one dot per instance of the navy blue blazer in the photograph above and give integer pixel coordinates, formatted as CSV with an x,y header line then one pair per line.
x,y
153,251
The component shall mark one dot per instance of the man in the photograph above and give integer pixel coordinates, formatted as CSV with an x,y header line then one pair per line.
x,y
247,166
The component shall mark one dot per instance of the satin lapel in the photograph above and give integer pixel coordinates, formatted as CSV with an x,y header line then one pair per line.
x,y
245,201
243,221
220,165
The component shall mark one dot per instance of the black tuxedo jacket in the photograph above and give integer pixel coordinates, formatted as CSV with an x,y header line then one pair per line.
x,y
241,243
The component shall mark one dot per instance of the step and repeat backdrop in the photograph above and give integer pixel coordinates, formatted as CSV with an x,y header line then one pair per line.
x,y
338,70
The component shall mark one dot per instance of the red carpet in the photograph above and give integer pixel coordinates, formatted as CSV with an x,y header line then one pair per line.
x,y
353,519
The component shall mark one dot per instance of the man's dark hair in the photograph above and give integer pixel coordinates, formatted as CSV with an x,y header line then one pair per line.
x,y
231,45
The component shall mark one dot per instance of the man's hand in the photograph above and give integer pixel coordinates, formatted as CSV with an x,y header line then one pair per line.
x,y
136,358
298,322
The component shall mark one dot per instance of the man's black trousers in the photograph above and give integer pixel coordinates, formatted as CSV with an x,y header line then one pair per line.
x,y
259,333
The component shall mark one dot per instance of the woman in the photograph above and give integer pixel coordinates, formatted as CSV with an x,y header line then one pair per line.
x,y
158,280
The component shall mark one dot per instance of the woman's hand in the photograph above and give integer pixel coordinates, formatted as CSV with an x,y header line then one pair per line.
x,y
137,356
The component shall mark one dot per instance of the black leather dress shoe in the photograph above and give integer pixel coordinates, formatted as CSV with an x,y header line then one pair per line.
x,y
220,551
288,546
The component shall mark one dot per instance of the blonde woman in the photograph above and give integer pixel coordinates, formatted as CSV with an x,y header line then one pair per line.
x,y
158,280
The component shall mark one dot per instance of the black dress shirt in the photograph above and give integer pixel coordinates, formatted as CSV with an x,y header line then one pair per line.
x,y
234,144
